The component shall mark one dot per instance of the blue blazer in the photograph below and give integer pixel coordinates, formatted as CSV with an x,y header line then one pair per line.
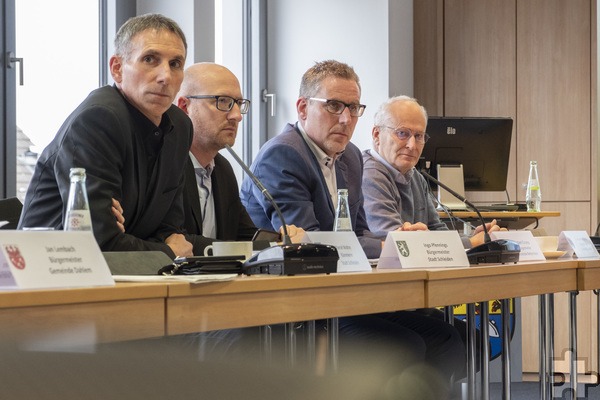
x,y
289,170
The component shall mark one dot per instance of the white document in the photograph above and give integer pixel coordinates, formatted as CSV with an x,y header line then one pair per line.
x,y
577,242
530,249
200,278
352,255
423,249
51,259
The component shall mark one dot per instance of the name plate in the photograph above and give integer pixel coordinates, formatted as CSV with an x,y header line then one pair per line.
x,y
51,259
352,255
423,249
530,249
577,242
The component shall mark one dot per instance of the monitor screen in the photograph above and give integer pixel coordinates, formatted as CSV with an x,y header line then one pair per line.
x,y
481,145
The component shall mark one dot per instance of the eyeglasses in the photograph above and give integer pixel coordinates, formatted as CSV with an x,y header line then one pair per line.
x,y
404,134
225,103
337,107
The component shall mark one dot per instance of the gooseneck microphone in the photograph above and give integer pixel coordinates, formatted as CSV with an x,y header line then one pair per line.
x,y
486,236
263,190
491,251
288,258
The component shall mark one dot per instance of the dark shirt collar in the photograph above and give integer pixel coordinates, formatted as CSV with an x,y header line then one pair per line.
x,y
152,135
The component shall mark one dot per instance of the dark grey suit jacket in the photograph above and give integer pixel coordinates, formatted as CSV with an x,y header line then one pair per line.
x,y
233,222
116,144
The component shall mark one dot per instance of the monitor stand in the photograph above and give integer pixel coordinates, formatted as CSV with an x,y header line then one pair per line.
x,y
451,175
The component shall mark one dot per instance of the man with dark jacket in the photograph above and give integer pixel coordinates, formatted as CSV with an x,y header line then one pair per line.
x,y
133,143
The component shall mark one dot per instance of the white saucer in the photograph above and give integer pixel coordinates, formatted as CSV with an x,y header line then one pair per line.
x,y
554,254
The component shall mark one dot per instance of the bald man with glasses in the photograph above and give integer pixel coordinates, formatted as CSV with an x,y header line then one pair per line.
x,y
211,96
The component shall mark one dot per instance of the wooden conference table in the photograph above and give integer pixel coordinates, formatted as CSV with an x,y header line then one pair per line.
x,y
143,310
139,310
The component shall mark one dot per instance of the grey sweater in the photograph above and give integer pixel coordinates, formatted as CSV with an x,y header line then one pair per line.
x,y
392,198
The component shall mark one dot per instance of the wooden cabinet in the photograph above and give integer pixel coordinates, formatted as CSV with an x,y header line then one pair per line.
x,y
534,61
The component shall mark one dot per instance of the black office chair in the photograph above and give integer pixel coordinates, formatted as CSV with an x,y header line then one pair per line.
x,y
10,210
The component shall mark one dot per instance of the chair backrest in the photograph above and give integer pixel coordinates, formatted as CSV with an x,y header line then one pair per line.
x,y
10,211
136,262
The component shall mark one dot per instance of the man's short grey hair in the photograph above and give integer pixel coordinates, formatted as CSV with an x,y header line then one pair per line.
x,y
383,112
312,78
141,23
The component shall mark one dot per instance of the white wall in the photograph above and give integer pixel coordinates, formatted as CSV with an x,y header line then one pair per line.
x,y
400,18
351,31
373,36
181,11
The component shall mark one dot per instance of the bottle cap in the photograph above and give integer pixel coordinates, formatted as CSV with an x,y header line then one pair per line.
x,y
77,171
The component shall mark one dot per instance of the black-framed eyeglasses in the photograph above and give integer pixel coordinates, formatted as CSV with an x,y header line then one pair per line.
x,y
404,134
225,103
337,107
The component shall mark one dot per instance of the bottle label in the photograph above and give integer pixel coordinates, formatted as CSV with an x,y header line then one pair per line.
x,y
343,224
78,220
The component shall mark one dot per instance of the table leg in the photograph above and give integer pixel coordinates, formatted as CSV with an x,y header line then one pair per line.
x,y
573,341
484,315
290,343
311,347
597,293
333,342
506,384
550,345
266,341
542,348
449,314
471,344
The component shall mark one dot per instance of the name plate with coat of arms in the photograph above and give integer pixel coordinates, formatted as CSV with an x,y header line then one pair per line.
x,y
51,259
423,249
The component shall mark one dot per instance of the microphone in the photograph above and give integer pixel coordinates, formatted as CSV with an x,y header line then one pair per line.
x,y
289,258
491,251
264,191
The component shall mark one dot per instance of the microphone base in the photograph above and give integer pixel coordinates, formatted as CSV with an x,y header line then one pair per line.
x,y
293,259
495,252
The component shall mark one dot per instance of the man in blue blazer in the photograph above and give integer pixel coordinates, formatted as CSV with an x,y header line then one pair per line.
x,y
302,168
304,165
133,143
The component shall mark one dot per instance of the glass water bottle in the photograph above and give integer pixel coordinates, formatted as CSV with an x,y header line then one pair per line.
x,y
78,216
342,212
533,198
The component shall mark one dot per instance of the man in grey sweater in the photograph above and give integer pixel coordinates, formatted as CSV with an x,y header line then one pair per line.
x,y
395,193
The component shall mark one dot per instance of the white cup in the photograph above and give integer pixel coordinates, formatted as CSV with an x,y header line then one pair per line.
x,y
547,243
229,249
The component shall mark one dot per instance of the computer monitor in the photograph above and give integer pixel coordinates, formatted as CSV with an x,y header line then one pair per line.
x,y
480,145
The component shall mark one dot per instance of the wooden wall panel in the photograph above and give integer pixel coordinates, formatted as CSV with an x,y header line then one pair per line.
x,y
573,216
428,31
480,69
553,96
535,61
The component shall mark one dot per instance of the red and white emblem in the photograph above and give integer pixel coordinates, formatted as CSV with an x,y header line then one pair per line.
x,y
15,257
